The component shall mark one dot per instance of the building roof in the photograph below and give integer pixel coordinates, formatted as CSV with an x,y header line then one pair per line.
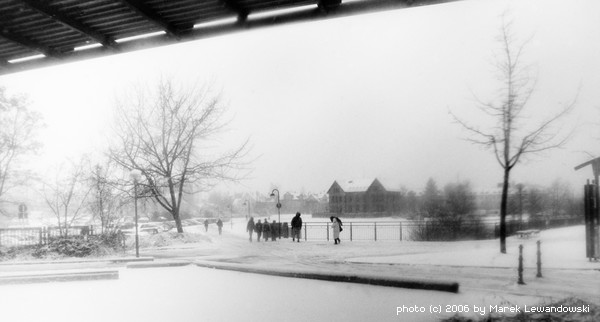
x,y
35,33
355,185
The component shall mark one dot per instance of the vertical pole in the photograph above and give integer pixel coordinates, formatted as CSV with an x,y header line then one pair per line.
x,y
137,239
375,231
588,206
327,231
521,265
305,234
400,231
350,231
539,259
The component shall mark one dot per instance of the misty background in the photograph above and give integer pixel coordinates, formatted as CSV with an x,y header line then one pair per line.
x,y
367,96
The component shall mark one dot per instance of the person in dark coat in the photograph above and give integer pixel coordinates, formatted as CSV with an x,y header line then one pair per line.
x,y
258,230
220,225
206,224
250,227
296,227
266,230
274,230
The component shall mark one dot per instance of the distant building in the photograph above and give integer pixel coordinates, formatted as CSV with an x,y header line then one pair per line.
x,y
292,202
368,198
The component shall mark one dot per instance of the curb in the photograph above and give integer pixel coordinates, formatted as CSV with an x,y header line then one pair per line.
x,y
59,277
431,285
158,264
78,261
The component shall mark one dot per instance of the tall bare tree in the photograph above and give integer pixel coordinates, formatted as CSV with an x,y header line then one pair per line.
x,y
18,125
67,193
166,134
513,136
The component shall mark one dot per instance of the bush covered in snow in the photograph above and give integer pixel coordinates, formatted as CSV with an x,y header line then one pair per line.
x,y
60,247
168,238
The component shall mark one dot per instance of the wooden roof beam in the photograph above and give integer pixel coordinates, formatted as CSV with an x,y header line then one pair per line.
x,y
327,5
105,40
235,6
25,42
143,10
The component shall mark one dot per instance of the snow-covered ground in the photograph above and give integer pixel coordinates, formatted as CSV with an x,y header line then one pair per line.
x,y
477,265
192,293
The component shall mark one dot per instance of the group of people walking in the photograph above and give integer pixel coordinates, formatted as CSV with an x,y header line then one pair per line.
x,y
264,229
272,230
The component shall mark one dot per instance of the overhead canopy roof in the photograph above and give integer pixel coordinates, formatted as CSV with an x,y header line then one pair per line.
x,y
35,33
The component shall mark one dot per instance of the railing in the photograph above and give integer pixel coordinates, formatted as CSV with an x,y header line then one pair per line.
x,y
425,231
11,237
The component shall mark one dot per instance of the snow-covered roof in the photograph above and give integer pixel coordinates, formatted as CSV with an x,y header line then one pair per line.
x,y
355,185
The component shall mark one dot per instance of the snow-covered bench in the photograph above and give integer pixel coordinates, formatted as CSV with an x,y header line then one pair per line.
x,y
528,233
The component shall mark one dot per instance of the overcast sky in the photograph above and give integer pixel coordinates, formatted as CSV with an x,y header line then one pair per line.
x,y
358,97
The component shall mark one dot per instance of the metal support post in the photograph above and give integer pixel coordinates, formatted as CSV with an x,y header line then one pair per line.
x,y
375,229
350,231
521,265
539,259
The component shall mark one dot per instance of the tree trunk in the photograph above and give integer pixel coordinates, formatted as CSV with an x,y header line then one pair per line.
x,y
177,221
503,204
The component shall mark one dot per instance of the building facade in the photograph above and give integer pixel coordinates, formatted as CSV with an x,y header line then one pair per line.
x,y
363,197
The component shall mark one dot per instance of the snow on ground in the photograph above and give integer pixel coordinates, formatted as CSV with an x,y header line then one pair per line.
x,y
198,294
560,248
191,293
477,265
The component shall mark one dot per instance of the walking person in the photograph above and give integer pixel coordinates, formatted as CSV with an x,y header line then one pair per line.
x,y
220,225
206,225
266,230
250,227
258,230
274,230
336,227
296,227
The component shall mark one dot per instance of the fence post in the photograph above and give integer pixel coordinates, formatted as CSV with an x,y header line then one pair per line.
x,y
375,227
400,230
305,237
539,260
350,231
521,265
327,231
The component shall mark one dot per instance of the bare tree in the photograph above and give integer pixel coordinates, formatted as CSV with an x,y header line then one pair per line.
x,y
459,200
512,137
18,127
558,197
67,193
107,198
432,200
166,135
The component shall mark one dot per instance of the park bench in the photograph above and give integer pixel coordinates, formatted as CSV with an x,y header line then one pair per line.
x,y
528,233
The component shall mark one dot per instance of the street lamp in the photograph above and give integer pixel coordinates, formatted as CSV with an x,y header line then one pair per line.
x,y
278,210
247,203
136,174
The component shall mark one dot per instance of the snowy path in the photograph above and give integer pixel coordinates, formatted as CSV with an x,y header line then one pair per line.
x,y
477,265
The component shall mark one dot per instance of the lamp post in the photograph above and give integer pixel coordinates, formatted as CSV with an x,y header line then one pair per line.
x,y
136,174
230,216
247,203
278,210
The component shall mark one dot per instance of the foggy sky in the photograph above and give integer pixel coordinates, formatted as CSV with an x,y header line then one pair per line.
x,y
357,97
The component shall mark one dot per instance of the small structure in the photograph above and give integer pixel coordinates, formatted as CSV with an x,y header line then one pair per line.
x,y
592,211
